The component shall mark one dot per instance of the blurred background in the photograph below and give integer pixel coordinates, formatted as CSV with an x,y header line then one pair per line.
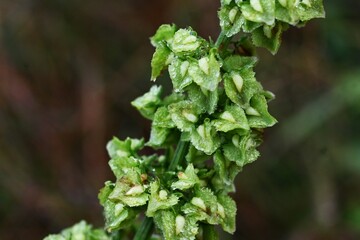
x,y
69,69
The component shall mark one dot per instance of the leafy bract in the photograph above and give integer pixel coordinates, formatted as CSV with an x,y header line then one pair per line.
x,y
160,199
206,72
164,33
149,102
205,138
187,179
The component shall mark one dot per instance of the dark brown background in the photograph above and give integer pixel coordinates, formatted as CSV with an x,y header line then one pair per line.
x,y
69,69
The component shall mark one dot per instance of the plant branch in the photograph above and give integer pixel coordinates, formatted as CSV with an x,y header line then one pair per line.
x,y
220,39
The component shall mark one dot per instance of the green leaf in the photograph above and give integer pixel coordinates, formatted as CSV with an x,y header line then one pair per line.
x,y
159,199
204,99
162,118
161,127
187,179
184,114
261,11
205,138
120,165
232,118
105,192
241,86
160,60
203,207
237,63
231,20
228,223
206,73
117,148
149,102
185,41
178,71
175,226
269,37
286,13
226,171
164,33
158,136
292,12
130,189
263,119
165,221
242,149
309,9
118,216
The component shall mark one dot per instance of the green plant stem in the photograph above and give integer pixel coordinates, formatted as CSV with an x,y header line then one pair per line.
x,y
220,39
179,155
209,232
145,230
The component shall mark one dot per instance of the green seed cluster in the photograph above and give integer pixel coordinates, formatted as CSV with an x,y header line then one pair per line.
x,y
216,115
265,20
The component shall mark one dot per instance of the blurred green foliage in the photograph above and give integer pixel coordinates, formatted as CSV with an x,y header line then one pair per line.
x,y
69,69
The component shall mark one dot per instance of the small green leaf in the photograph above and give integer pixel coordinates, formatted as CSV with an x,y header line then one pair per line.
x,y
117,148
105,192
118,216
227,204
264,120
237,63
187,179
162,118
178,71
204,99
205,138
164,33
203,207
175,226
184,41
206,73
286,13
261,11
242,149
226,171
159,199
159,60
240,86
269,37
231,20
149,102
165,221
184,114
309,9
232,118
